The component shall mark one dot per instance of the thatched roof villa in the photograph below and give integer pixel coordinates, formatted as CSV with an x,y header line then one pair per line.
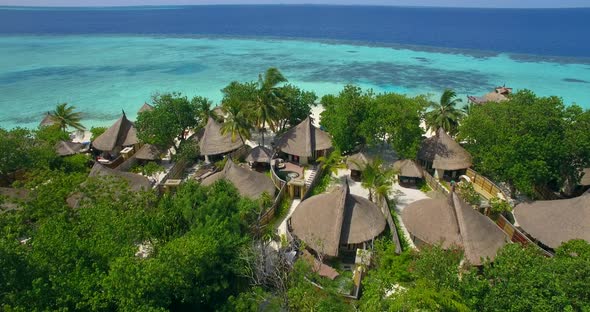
x,y
149,152
304,142
357,163
585,181
135,182
553,222
453,222
47,120
214,143
66,148
408,171
337,222
122,133
145,108
443,154
498,95
249,183
259,154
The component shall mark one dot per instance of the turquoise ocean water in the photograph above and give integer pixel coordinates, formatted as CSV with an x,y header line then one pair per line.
x,y
102,75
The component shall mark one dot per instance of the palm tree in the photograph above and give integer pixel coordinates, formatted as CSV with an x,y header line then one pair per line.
x,y
65,117
267,108
236,122
377,179
445,113
333,162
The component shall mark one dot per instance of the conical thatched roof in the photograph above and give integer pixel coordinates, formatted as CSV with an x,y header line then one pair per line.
x,y
214,143
554,222
46,121
121,133
136,182
249,183
260,154
444,152
325,221
303,139
148,152
65,148
145,107
452,222
408,168
358,161
586,177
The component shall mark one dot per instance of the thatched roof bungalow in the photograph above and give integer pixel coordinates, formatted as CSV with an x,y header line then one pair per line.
x,y
149,152
214,143
453,222
442,153
259,154
47,120
135,182
498,95
122,133
585,181
145,108
408,171
66,148
249,183
326,222
553,222
304,142
357,163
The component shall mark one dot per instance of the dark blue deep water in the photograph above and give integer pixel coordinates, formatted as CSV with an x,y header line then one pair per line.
x,y
546,32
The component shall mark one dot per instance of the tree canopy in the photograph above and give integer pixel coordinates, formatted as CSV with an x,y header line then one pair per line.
x,y
529,142
172,115
355,118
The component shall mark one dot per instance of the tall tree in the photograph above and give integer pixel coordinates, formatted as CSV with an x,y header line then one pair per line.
x,y
378,179
343,115
395,119
267,107
172,116
444,114
296,105
529,142
65,117
236,121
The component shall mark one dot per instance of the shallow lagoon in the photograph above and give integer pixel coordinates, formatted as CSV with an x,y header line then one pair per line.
x,y
102,75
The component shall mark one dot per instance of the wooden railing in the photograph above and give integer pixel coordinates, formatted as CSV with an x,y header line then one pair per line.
x,y
279,183
517,236
384,205
318,176
270,213
485,186
434,183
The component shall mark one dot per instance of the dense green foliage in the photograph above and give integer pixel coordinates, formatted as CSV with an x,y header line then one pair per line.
x,y
85,259
28,150
528,141
354,118
266,102
197,249
520,279
172,115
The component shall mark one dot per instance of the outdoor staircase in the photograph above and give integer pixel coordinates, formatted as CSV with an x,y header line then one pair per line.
x,y
312,173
